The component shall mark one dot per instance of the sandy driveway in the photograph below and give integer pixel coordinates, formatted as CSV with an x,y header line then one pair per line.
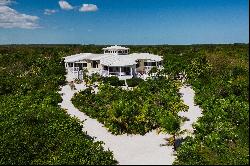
x,y
132,149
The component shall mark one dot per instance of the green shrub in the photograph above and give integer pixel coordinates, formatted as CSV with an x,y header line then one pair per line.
x,y
96,77
77,81
134,82
121,82
114,81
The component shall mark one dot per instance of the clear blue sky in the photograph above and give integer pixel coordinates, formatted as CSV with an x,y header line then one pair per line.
x,y
124,21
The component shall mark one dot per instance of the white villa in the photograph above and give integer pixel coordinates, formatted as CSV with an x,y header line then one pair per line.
x,y
115,60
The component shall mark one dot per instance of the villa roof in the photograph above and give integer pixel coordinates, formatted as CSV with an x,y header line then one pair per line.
x,y
85,56
117,60
74,58
115,47
114,60
146,56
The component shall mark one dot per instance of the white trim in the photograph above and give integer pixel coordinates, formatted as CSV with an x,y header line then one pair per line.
x,y
112,59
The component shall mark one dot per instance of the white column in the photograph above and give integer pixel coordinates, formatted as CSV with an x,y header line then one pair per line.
x,y
73,69
66,67
120,71
131,70
78,74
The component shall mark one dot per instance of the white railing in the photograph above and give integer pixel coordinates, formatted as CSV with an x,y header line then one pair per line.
x,y
75,73
92,71
71,69
104,73
148,67
114,73
80,75
76,68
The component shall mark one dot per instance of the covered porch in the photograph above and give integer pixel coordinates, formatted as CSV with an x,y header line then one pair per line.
x,y
149,64
76,66
120,71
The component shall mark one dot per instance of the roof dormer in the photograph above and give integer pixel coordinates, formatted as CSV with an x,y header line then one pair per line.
x,y
117,50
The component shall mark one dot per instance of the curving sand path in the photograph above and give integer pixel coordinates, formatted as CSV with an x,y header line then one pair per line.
x,y
132,149
194,111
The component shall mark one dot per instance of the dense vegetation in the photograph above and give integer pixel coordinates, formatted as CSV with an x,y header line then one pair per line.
x,y
148,106
220,79
34,130
134,81
219,76
113,80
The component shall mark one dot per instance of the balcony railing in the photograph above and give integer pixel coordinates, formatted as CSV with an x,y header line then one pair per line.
x,y
116,73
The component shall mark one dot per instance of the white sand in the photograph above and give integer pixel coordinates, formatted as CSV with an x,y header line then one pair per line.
x,y
193,113
132,149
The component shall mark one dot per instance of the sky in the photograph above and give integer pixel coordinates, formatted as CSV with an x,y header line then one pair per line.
x,y
124,22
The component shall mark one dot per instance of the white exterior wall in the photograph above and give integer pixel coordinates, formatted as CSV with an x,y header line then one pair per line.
x,y
114,58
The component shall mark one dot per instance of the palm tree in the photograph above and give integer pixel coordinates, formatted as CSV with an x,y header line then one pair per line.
x,y
171,123
172,141
86,77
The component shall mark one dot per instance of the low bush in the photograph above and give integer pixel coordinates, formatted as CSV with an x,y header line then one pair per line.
x,y
96,77
77,81
134,82
114,81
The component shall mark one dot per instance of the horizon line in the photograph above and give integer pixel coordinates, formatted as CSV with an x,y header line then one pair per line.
x,y
121,44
